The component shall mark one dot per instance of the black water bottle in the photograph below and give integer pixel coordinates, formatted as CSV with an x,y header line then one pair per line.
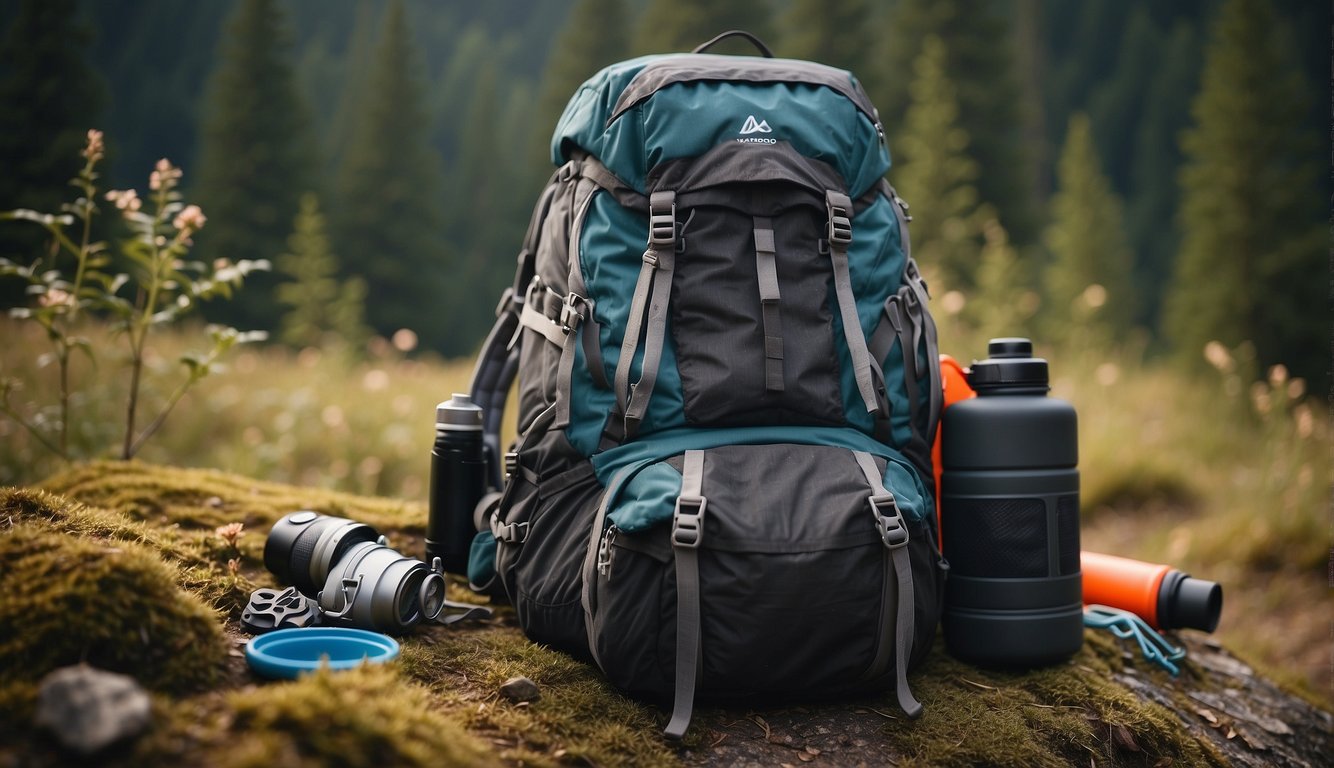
x,y
1010,516
458,481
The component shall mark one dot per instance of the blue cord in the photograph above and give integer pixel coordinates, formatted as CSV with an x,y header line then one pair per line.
x,y
1125,624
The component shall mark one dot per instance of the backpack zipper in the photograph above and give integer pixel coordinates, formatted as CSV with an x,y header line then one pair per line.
x,y
604,552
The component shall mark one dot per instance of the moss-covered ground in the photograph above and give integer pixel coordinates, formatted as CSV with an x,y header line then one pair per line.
x,y
122,565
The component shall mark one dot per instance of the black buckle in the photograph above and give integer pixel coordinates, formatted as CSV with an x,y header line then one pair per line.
x,y
888,520
573,312
662,219
688,521
840,226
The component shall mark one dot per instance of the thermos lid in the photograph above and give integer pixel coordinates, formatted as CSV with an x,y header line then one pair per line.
x,y
458,413
1010,365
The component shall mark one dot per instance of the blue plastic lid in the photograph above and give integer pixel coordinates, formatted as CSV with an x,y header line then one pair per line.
x,y
286,653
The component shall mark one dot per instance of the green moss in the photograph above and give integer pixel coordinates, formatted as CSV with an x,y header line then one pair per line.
x,y
114,606
578,717
203,499
1072,713
368,716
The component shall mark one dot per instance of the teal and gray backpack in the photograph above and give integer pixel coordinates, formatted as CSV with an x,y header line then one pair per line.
x,y
728,388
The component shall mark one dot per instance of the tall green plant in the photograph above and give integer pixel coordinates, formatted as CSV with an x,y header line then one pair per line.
x,y
163,287
256,152
980,63
1087,240
937,176
388,222
321,308
1253,259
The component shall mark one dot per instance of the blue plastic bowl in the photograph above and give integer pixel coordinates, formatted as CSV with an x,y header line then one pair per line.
x,y
286,653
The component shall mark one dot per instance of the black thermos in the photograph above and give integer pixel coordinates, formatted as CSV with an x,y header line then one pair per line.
x,y
1010,515
458,481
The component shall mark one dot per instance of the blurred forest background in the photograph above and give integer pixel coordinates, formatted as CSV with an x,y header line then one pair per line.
x,y
1092,134
1141,186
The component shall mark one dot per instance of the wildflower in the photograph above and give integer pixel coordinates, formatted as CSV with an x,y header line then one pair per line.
x,y
1278,375
405,340
164,175
230,532
953,302
234,566
126,200
1218,356
191,219
56,297
1094,296
94,149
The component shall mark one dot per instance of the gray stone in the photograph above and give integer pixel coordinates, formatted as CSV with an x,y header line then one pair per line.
x,y
88,709
520,689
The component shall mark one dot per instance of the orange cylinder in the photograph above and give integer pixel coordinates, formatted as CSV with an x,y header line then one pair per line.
x,y
1161,595
1123,583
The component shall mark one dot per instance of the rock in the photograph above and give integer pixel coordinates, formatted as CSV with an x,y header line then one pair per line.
x,y
88,709
520,690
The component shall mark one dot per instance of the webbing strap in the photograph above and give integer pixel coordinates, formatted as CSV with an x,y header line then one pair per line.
x,y
687,532
654,333
935,387
647,306
839,237
897,616
591,557
532,318
577,316
766,267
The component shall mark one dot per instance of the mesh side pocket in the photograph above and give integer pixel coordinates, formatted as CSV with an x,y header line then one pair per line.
x,y
998,538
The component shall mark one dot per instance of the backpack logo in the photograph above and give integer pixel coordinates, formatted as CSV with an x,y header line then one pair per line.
x,y
751,126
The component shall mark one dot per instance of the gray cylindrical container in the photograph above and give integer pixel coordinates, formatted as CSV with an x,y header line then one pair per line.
x,y
458,482
1010,515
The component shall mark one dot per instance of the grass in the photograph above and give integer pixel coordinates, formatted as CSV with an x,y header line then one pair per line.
x,y
1223,478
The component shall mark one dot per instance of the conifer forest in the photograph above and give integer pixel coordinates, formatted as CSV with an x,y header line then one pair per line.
x,y
1173,154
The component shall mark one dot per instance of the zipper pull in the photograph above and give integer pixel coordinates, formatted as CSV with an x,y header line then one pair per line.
x,y
604,552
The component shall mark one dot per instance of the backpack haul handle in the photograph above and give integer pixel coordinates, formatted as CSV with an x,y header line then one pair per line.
x,y
764,49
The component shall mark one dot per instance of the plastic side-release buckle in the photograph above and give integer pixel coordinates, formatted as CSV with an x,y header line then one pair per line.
x,y
888,520
688,521
573,312
662,219
840,222
510,533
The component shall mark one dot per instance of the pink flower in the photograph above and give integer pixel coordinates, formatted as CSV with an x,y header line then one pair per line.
x,y
190,220
94,148
126,200
164,175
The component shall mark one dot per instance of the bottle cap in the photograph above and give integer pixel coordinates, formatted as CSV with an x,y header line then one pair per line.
x,y
1010,365
459,413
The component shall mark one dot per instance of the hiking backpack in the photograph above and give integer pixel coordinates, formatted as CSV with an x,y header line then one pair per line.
x,y
728,387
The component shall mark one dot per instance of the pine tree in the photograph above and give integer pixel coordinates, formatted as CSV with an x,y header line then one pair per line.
x,y
388,222
1252,264
980,63
679,25
1087,240
322,309
936,175
256,155
51,97
843,34
1002,304
594,36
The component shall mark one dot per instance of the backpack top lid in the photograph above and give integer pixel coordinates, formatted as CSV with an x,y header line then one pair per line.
x,y
637,114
